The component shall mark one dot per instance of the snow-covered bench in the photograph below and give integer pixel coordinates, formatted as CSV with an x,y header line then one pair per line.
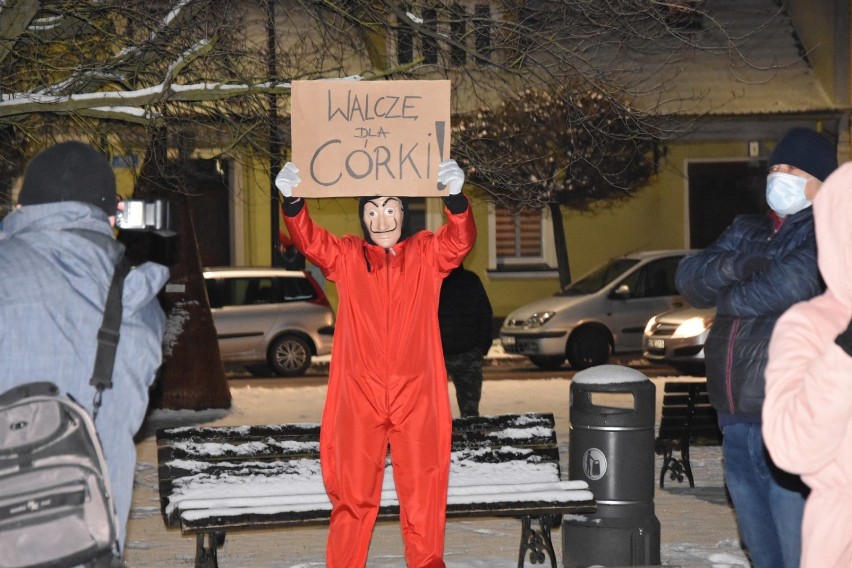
x,y
214,480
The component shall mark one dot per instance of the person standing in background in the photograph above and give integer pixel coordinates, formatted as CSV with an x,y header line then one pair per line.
x,y
807,416
466,321
760,266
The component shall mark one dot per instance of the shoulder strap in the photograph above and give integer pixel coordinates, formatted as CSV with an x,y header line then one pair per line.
x,y
108,334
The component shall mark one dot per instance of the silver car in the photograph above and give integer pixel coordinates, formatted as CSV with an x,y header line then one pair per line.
x,y
602,313
677,338
269,315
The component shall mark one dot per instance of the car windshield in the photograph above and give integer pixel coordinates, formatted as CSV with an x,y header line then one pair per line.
x,y
598,278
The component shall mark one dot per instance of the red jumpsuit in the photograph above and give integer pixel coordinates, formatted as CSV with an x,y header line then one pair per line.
x,y
387,384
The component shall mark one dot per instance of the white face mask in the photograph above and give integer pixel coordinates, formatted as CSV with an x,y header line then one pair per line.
x,y
785,193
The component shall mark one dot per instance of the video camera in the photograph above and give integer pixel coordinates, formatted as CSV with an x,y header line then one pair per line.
x,y
155,216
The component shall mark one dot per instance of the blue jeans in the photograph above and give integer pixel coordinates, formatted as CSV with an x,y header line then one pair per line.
x,y
769,502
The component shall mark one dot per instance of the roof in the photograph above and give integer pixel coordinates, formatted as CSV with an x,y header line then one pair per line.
x,y
745,59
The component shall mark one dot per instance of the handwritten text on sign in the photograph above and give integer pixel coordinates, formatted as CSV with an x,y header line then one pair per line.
x,y
370,137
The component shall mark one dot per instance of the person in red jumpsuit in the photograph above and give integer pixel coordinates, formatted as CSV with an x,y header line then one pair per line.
x,y
387,380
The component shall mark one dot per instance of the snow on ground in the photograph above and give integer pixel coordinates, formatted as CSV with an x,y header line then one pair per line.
x,y
698,527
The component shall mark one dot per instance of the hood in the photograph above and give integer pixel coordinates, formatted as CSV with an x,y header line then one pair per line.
x,y
832,212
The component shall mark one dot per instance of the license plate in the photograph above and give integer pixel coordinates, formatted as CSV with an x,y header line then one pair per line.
x,y
654,343
508,339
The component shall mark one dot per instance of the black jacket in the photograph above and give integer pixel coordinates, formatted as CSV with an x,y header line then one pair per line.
x,y
464,313
747,306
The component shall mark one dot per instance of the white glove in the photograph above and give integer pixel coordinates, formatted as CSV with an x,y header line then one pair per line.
x,y
287,179
450,174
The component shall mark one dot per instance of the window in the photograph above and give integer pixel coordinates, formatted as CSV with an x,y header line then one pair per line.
x,y
482,32
458,31
247,291
404,42
656,279
448,30
429,39
520,242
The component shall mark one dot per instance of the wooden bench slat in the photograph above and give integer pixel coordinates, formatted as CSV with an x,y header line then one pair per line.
x,y
500,466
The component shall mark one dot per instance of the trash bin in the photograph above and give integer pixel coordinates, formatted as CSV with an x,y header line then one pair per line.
x,y
611,447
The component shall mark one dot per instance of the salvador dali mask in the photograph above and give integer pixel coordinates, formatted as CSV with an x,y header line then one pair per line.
x,y
382,218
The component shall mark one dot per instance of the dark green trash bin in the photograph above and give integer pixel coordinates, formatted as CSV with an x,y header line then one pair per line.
x,y
611,447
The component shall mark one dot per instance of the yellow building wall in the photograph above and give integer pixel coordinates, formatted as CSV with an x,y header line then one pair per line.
x,y
656,218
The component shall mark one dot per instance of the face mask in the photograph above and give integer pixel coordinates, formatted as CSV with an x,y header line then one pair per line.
x,y
785,193
383,219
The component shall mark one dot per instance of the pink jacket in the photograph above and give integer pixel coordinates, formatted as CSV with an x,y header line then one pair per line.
x,y
807,415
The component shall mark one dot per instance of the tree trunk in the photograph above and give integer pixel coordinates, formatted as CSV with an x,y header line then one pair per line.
x,y
192,376
561,245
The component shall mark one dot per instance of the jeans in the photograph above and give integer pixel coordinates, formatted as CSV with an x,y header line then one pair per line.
x,y
769,502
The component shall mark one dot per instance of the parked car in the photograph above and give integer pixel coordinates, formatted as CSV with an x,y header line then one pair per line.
x,y
677,338
604,312
269,315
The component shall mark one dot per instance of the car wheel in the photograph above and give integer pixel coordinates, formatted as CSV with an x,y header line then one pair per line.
x,y
289,356
547,362
588,347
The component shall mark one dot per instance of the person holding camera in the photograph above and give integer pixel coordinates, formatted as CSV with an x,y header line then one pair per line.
x,y
57,258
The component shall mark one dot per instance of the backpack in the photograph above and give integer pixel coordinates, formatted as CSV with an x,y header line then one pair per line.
x,y
56,507
55,501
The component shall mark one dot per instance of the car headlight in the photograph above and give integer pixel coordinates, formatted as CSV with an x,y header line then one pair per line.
x,y
692,327
538,319
652,323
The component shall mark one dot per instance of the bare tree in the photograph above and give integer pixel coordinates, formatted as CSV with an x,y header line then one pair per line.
x,y
566,149
118,72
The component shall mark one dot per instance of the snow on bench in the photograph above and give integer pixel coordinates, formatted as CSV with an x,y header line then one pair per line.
x,y
213,480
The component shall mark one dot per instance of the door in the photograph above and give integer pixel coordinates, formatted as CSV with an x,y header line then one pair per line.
x,y
718,192
640,295
209,204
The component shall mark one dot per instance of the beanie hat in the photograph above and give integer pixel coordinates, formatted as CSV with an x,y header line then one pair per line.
x,y
807,150
406,225
69,171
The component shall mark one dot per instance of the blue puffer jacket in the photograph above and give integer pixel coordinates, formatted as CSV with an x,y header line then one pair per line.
x,y
53,286
747,307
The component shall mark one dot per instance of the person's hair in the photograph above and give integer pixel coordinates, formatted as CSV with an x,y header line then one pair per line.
x,y
69,171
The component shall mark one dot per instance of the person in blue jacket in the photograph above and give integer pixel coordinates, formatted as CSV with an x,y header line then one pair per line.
x,y
760,266
53,288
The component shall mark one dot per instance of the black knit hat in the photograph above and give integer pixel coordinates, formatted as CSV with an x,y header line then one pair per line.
x,y
69,171
807,150
406,225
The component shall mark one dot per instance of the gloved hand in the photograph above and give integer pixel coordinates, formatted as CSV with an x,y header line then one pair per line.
x,y
844,340
746,265
450,174
287,179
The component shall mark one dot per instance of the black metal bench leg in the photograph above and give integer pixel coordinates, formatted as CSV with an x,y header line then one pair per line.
x,y
537,542
205,555
684,458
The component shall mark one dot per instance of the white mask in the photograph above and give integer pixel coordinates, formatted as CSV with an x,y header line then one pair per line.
x,y
785,193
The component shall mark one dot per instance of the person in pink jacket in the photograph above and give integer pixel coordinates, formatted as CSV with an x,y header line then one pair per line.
x,y
807,415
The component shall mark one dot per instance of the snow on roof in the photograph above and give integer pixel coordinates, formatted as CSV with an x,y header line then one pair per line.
x,y
745,59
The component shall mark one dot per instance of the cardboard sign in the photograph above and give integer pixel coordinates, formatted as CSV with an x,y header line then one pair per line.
x,y
353,138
